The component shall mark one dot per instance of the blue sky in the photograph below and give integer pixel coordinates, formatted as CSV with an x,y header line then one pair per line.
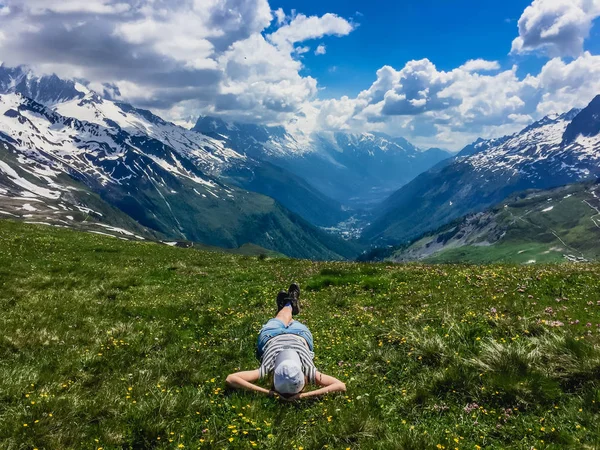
x,y
437,72
394,32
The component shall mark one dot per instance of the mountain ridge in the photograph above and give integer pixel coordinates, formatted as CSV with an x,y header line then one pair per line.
x,y
486,172
553,225
355,169
171,194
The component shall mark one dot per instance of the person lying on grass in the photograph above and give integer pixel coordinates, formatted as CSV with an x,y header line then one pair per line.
x,y
285,349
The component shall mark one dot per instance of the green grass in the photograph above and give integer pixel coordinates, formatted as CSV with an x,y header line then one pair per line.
x,y
532,226
515,252
114,344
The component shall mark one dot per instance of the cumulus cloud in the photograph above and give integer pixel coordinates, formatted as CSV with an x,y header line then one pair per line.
x,y
564,85
452,108
209,55
480,65
558,27
321,50
280,16
416,90
261,81
303,28
159,51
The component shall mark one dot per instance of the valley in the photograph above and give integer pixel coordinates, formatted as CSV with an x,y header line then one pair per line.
x,y
230,184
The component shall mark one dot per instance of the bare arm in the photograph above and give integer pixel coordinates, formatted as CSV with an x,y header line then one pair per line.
x,y
244,380
327,383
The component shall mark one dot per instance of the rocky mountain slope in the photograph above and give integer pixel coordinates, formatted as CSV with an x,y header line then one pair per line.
x,y
72,99
35,193
533,226
554,151
356,170
166,178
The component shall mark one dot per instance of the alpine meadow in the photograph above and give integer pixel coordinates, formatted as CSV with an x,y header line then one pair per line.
x,y
112,344
284,225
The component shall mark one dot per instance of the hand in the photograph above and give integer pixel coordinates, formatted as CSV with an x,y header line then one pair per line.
x,y
293,398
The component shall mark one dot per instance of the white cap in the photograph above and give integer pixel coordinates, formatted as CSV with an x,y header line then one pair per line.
x,y
288,377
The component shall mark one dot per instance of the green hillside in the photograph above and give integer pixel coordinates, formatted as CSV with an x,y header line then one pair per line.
x,y
533,226
289,190
77,207
118,344
174,209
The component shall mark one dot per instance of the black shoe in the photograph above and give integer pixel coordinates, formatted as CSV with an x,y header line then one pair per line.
x,y
294,298
282,300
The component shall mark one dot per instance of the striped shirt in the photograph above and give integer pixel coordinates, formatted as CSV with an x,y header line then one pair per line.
x,y
288,341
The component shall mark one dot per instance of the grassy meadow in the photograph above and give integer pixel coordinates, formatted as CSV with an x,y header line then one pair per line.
x,y
108,344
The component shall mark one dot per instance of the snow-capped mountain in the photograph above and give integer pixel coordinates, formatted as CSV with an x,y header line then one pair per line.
x,y
36,193
357,170
212,156
554,151
48,90
167,178
552,225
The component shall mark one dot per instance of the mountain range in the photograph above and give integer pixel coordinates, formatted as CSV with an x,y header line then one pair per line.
x,y
185,184
230,184
554,151
357,170
164,177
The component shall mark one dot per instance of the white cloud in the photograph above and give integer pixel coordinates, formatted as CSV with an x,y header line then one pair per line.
x,y
187,57
280,15
179,57
433,107
557,27
303,28
75,6
301,50
480,65
261,81
336,114
563,85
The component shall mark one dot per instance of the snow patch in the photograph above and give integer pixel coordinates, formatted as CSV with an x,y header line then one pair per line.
x,y
83,209
550,208
28,207
27,185
120,230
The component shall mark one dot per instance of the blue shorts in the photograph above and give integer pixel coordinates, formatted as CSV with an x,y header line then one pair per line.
x,y
276,327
